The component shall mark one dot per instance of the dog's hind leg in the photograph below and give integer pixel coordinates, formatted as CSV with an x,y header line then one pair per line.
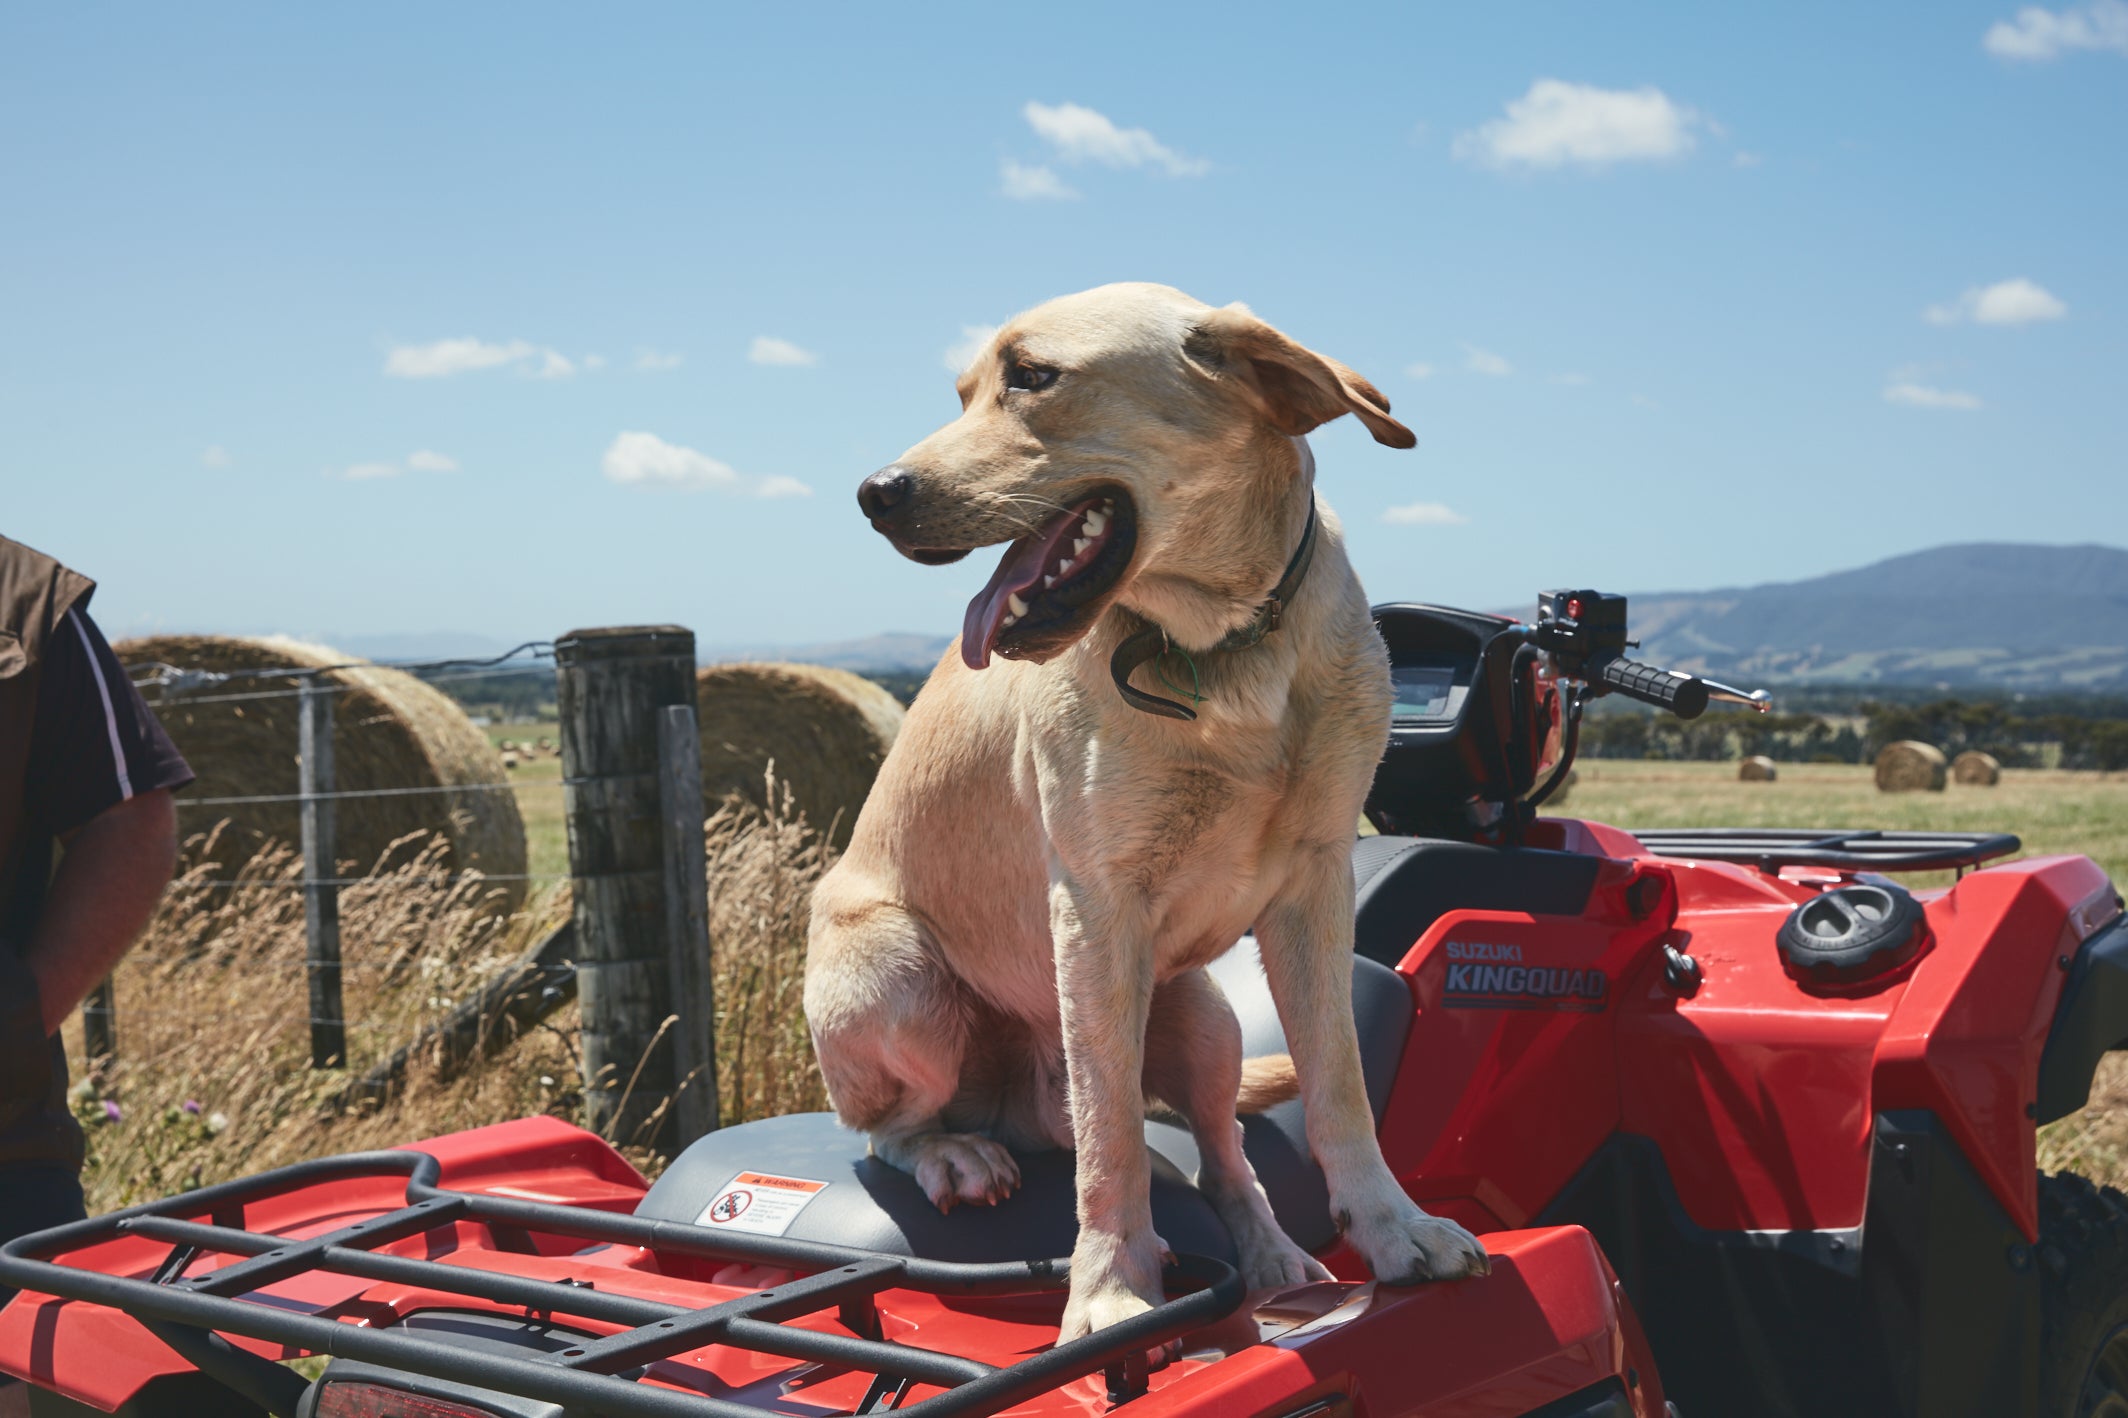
x,y
890,1029
1193,1064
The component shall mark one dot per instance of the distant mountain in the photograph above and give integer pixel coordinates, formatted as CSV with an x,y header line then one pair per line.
x,y
902,651
1986,614
2006,615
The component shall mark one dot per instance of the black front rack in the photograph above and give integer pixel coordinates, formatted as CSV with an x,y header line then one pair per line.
x,y
1771,848
597,1376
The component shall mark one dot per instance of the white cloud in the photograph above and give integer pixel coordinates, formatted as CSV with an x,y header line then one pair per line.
x,y
2038,34
962,352
1744,159
1420,370
215,457
1485,362
646,460
594,361
767,349
421,460
1645,402
447,357
1573,380
2016,301
1424,514
1923,396
1036,183
1080,134
656,362
1557,122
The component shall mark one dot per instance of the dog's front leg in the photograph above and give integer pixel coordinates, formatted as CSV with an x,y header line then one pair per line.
x,y
1104,991
1305,939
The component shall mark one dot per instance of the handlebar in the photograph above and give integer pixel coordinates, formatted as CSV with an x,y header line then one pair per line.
x,y
1673,690
1584,633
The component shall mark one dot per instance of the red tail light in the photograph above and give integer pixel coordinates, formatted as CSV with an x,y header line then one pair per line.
x,y
377,1401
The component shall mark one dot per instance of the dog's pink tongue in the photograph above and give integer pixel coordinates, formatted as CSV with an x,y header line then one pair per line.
x,y
1019,568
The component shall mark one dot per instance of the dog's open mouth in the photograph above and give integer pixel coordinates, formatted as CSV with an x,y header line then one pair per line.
x,y
1052,582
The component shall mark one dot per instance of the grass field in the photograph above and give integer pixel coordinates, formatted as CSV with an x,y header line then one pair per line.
x,y
2053,812
539,797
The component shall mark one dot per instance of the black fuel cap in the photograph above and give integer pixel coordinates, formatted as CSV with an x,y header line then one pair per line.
x,y
1850,934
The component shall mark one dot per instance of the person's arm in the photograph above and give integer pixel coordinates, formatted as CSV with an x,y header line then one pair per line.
x,y
100,778
114,872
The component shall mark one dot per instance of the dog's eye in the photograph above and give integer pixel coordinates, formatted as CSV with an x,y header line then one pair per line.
x,y
1029,376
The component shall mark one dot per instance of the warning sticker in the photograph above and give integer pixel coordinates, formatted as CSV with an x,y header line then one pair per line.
x,y
760,1203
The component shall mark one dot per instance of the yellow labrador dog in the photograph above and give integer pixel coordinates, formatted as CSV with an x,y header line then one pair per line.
x,y
1012,950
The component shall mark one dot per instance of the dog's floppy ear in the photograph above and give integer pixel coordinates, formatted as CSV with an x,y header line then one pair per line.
x,y
1296,388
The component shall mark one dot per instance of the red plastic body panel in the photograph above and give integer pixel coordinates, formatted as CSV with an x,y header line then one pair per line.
x,y
1966,1036
1548,1322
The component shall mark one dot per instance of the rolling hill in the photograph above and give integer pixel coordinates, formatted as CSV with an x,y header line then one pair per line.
x,y
2007,615
2011,616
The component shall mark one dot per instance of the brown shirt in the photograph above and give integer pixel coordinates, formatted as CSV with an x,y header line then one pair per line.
x,y
75,740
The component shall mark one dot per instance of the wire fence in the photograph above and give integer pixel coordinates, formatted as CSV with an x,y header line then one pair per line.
x,y
373,946
323,877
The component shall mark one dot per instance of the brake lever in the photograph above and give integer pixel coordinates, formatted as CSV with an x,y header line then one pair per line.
x,y
1721,693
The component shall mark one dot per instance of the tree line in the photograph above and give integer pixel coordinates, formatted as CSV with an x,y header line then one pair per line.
x,y
2069,732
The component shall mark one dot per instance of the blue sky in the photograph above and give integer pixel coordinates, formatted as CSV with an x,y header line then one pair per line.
x,y
402,318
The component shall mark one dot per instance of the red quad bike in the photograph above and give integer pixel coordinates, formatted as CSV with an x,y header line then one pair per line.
x,y
1747,1126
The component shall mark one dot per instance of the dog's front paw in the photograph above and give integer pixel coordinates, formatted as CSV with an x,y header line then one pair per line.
x,y
1100,1304
956,1167
1113,1279
1402,1245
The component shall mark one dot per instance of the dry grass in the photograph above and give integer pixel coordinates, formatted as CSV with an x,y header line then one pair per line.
x,y
212,1078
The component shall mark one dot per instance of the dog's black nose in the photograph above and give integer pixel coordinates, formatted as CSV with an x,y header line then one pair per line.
x,y
885,490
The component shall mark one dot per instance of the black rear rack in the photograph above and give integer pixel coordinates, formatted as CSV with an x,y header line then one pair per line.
x,y
598,1376
1771,848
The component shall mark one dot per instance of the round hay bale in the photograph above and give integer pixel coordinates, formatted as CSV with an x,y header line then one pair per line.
x,y
1976,769
389,731
1910,766
825,731
1757,769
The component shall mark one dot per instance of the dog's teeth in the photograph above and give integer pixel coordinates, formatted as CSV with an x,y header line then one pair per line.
x,y
1048,581
1078,548
1010,620
1108,504
1094,522
1014,604
1064,567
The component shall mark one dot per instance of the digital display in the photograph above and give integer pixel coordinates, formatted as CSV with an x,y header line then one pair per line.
x,y
1422,691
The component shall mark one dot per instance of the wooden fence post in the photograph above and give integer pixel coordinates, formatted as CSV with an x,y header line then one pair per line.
x,y
99,1025
321,897
694,1037
609,686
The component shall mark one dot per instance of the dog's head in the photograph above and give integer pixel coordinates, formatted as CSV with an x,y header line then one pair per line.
x,y
1116,438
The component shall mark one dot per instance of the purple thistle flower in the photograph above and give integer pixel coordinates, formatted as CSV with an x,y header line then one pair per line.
x,y
191,1106
111,1112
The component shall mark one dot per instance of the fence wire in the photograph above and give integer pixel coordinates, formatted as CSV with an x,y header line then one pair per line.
x,y
166,685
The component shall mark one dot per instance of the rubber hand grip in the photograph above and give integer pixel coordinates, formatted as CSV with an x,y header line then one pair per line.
x,y
1673,690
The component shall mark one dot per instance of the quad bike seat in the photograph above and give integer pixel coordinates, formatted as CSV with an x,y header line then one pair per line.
x,y
869,1204
1407,883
